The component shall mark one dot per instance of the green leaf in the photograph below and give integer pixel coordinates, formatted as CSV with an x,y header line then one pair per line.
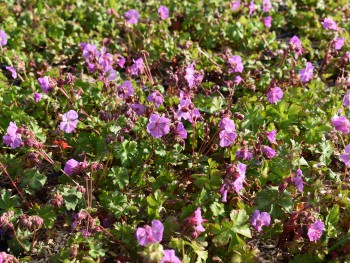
x,y
8,202
33,179
119,176
333,216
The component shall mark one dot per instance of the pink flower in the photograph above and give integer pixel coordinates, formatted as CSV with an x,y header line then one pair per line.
x,y
244,153
149,235
196,221
274,95
315,230
267,21
163,12
170,257
328,23
235,185
338,43
3,38
125,90
346,157
37,96
341,124
12,137
13,71
137,68
251,7
266,6
306,73
237,80
346,99
269,152
181,131
156,98
90,51
158,126
271,136
138,108
235,5
45,84
69,121
192,77
227,132
259,220
295,45
132,16
235,64
71,166
298,180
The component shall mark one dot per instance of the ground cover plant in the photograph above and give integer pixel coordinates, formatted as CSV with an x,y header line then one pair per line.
x,y
180,131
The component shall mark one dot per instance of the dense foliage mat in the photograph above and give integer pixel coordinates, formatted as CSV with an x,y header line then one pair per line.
x,y
181,131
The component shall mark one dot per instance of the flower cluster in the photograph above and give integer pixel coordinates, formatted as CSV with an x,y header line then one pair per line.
x,y
12,137
227,132
234,182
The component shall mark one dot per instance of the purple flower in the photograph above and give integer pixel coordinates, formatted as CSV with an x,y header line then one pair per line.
x,y
105,59
149,235
110,74
156,98
259,220
45,84
13,71
12,138
244,153
267,21
269,152
181,131
125,90
37,96
227,134
194,116
251,7
274,95
191,77
90,51
236,185
69,121
346,157
163,12
306,73
137,68
346,99
329,24
298,180
266,6
184,109
315,230
271,136
338,43
341,124
237,80
170,257
121,61
196,220
347,57
235,64
295,45
158,126
3,38
138,108
132,16
227,124
70,166
235,5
